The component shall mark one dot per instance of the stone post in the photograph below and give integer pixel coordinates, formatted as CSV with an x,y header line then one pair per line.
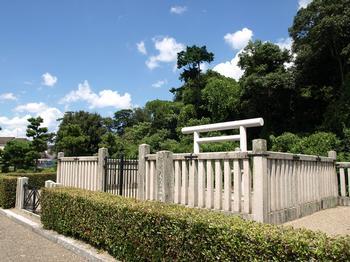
x,y
165,176
102,154
144,150
332,154
260,197
21,181
51,184
59,167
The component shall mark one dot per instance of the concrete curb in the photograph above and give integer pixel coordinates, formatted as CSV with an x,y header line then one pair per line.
x,y
77,247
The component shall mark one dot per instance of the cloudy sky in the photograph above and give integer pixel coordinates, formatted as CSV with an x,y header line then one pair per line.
x,y
106,55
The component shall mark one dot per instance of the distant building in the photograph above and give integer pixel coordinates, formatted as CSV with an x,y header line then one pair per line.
x,y
5,140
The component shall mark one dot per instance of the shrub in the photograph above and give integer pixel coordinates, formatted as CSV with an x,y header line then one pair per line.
x,y
318,143
285,143
8,184
35,179
7,191
133,230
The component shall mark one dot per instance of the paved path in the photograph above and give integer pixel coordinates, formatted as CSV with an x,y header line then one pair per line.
x,y
333,221
18,243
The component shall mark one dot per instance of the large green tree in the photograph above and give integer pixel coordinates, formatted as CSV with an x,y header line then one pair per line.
x,y
87,128
190,61
17,154
194,80
72,141
221,98
321,42
40,136
267,86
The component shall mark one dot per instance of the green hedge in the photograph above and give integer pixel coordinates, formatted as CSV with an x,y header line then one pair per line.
x,y
35,179
7,191
132,230
8,184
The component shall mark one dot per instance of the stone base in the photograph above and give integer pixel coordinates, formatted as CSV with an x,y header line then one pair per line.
x,y
344,201
288,214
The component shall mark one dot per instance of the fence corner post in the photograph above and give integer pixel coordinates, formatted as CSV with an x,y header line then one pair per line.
x,y
48,183
260,185
332,154
144,150
102,154
165,176
21,181
59,172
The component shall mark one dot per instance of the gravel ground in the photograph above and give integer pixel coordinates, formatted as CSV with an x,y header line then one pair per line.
x,y
18,243
333,221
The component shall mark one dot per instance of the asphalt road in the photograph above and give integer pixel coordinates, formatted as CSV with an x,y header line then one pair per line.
x,y
18,243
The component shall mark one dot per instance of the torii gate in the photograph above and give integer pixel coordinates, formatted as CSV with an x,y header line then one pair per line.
x,y
240,124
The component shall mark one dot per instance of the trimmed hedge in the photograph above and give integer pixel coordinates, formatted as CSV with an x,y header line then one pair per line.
x,y
133,230
35,179
8,184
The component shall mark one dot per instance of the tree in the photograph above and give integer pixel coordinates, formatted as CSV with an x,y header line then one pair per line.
x,y
40,136
191,60
321,42
89,127
122,119
267,88
17,153
163,115
221,98
72,140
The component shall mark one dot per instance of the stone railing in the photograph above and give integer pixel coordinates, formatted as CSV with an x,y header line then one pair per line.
x,y
265,186
85,172
343,169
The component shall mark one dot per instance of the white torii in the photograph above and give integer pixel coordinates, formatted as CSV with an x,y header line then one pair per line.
x,y
240,124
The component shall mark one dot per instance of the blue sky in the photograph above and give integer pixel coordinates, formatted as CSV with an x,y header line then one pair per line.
x,y
105,55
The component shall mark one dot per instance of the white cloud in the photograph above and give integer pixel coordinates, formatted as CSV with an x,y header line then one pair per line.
x,y
105,98
160,83
178,10
8,96
230,68
141,48
17,125
239,39
168,49
304,3
31,107
204,67
285,43
48,79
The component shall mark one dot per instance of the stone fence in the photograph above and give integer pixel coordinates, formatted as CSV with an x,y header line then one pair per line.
x,y
261,185
86,172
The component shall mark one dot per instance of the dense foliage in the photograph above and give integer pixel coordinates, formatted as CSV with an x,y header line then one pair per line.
x,y
8,184
133,230
40,137
7,191
80,133
304,91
